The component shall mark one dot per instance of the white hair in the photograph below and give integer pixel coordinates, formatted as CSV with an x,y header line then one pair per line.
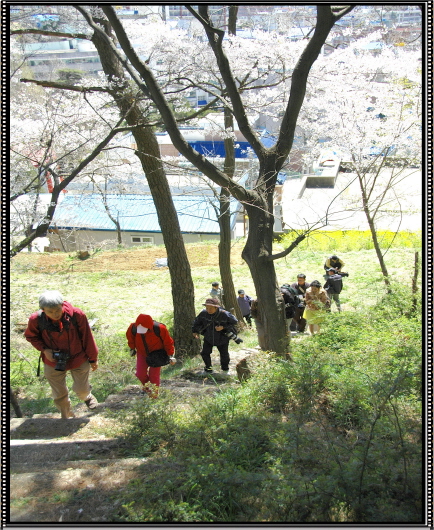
x,y
50,299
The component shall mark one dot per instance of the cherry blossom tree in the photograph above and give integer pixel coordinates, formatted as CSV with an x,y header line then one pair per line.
x,y
259,201
54,138
368,108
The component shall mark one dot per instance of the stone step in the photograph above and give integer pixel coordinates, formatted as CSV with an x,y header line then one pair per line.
x,y
34,469
44,427
39,451
79,491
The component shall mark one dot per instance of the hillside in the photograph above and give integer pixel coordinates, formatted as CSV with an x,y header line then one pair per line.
x,y
333,435
144,258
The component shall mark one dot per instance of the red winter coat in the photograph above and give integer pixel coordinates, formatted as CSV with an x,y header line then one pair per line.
x,y
153,342
79,343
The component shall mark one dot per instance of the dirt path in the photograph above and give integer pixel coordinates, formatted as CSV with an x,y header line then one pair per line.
x,y
65,471
120,260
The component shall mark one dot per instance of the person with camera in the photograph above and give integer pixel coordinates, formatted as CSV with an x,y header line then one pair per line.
x,y
62,334
146,337
334,262
317,302
217,327
333,285
301,286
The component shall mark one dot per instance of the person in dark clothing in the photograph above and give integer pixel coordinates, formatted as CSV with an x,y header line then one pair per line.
x,y
334,262
217,292
244,302
298,322
333,285
213,323
290,299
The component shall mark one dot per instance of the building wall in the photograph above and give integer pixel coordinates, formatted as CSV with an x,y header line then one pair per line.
x,y
72,240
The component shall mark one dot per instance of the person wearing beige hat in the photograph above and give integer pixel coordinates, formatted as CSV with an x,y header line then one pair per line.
x,y
214,323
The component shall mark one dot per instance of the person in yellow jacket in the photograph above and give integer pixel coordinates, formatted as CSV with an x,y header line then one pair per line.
x,y
333,262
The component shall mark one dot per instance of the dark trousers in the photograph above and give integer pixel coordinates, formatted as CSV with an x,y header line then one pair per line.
x,y
224,354
298,322
335,297
248,319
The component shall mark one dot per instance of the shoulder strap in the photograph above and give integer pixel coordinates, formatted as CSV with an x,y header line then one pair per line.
x,y
144,343
43,322
157,328
156,331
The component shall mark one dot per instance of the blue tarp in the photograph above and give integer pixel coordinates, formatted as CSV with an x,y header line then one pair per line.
x,y
216,148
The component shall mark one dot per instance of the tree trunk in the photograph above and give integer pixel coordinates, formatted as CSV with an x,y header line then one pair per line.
x,y
371,224
15,403
258,251
414,282
111,217
148,153
270,302
230,298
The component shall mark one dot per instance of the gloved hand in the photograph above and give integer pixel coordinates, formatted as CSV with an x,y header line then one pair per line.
x,y
132,352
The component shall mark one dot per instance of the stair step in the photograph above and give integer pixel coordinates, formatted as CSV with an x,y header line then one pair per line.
x,y
43,427
39,451
24,468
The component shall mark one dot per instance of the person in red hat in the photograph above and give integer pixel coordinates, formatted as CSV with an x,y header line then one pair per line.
x,y
139,332
214,323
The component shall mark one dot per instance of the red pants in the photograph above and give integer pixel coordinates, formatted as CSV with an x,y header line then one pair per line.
x,y
145,373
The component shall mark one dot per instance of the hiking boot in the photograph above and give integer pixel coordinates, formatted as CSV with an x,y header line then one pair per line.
x,y
208,369
225,369
92,402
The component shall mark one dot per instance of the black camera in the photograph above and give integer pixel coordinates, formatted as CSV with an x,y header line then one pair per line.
x,y
61,358
233,336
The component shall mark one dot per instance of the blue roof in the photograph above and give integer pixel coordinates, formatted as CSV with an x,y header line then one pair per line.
x,y
137,213
268,139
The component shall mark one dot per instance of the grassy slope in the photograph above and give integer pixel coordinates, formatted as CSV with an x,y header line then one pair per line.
x,y
308,442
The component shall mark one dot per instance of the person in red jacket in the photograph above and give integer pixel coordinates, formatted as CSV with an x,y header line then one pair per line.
x,y
149,376
62,334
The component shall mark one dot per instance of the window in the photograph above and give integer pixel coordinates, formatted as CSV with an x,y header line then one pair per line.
x,y
140,240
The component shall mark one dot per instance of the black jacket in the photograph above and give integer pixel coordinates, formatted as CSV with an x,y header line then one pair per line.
x,y
296,286
333,284
291,302
205,324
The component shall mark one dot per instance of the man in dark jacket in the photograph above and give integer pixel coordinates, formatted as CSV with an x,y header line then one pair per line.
x,y
213,323
61,330
244,303
298,322
291,301
333,285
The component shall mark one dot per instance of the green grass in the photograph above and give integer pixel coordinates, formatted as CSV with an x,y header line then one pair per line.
x,y
332,436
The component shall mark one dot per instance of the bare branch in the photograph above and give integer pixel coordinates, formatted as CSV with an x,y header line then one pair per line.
x,y
64,86
32,31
